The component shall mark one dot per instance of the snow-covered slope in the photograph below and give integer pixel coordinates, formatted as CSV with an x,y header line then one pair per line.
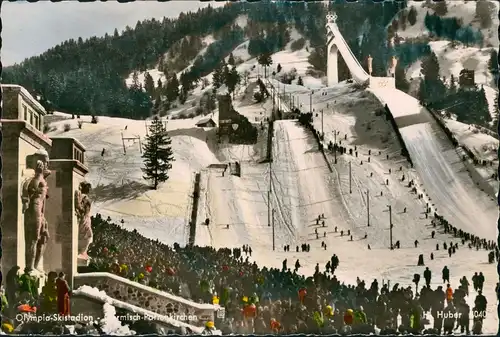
x,y
440,167
461,9
303,187
453,59
118,187
159,75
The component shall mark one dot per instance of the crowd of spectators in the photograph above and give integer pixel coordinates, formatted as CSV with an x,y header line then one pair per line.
x,y
265,300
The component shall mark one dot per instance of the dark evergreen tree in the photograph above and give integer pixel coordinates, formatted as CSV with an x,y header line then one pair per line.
x,y
484,11
452,90
300,81
441,8
493,64
265,60
231,60
158,155
428,22
156,110
149,84
435,90
233,78
430,67
218,76
172,88
412,16
400,78
278,68
318,59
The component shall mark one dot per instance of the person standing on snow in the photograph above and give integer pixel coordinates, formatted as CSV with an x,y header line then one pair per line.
x,y
475,280
480,281
297,265
465,285
446,274
427,276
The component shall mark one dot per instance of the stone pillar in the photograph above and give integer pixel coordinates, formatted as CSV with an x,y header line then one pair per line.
x,y
62,248
20,142
332,64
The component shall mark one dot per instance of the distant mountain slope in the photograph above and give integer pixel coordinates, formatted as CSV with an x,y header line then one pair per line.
x,y
88,77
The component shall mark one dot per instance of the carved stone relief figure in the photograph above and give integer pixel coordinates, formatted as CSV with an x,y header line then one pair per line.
x,y
82,206
34,195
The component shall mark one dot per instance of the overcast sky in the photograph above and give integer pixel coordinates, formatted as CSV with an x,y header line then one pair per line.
x,y
29,29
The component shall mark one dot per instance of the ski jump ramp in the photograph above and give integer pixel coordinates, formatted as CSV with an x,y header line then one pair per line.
x,y
441,170
336,44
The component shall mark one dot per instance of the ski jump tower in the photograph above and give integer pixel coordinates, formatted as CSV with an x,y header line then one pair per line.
x,y
336,44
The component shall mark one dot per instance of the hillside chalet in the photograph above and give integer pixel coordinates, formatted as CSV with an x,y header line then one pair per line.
x,y
206,122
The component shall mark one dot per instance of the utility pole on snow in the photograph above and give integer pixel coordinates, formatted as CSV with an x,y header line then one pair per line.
x,y
368,207
272,218
269,190
350,178
123,143
322,132
390,225
310,103
335,145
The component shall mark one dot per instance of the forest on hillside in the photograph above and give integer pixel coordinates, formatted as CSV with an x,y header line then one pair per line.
x,y
87,76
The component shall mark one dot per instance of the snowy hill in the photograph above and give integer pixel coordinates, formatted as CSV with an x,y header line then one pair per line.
x,y
462,9
304,187
118,188
353,194
453,59
288,59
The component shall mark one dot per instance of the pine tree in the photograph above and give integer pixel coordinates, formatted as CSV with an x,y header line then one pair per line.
x,y
300,81
493,63
430,67
422,91
172,88
265,60
440,8
400,78
149,84
217,77
453,85
231,60
135,79
412,16
278,68
483,13
158,155
156,110
233,78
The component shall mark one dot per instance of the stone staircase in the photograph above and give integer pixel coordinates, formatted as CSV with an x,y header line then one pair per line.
x,y
150,299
